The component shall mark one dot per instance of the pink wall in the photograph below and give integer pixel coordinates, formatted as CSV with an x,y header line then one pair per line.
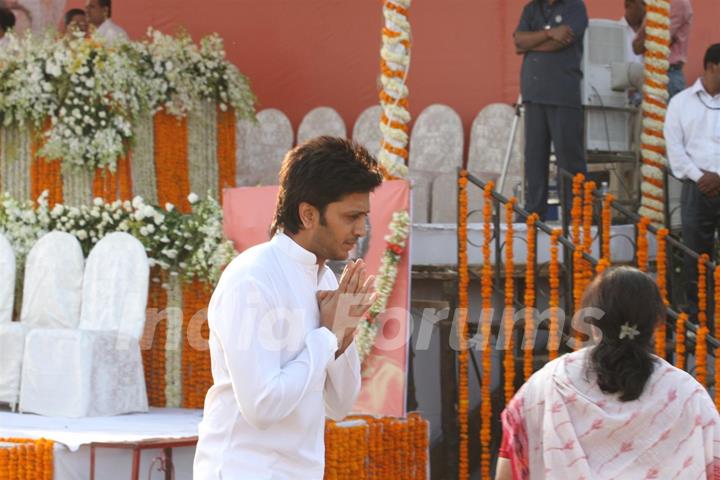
x,y
301,54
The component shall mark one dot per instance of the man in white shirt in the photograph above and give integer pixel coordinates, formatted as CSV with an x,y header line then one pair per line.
x,y
281,328
692,134
98,14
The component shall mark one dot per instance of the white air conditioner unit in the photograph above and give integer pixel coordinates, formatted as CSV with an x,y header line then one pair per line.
x,y
607,126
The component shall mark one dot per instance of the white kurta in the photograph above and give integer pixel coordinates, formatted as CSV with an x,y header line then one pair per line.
x,y
274,370
111,32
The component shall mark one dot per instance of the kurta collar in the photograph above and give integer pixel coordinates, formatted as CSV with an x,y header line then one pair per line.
x,y
699,87
294,251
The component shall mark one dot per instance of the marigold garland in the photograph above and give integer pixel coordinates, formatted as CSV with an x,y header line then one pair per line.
x,y
717,377
529,334
486,330
196,372
31,459
701,356
509,311
654,106
587,234
171,160
554,337
226,150
114,186
463,303
661,333
154,339
602,265
680,341
44,175
607,226
576,215
702,289
642,244
394,67
716,276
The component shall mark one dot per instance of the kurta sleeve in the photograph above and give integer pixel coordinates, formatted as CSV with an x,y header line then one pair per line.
x,y
252,332
342,385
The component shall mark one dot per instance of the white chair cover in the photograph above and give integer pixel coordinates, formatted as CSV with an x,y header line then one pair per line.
x,y
52,291
488,146
51,298
7,280
76,373
367,132
96,370
261,147
115,286
321,121
436,148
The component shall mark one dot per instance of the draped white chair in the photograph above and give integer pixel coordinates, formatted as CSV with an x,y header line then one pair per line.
x,y
436,150
261,147
7,280
8,394
96,369
321,121
52,292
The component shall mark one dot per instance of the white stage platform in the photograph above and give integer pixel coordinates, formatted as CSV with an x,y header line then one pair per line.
x,y
72,437
436,244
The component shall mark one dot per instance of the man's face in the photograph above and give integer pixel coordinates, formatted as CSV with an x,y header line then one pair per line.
x,y
78,23
334,235
96,14
634,11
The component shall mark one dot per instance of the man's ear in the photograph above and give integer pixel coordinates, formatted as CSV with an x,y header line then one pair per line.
x,y
308,215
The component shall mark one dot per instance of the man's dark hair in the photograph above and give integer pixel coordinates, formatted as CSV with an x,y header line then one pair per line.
x,y
7,19
712,55
72,13
319,172
108,4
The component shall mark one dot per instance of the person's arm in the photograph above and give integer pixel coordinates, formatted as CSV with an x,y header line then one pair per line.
x,y
679,17
266,390
503,470
342,385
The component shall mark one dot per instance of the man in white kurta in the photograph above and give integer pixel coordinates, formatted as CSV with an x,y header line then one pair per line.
x,y
99,14
277,371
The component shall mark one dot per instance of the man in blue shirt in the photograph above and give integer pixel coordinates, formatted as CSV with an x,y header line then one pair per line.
x,y
550,36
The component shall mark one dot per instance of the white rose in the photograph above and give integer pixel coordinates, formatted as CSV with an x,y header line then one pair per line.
x,y
193,198
169,207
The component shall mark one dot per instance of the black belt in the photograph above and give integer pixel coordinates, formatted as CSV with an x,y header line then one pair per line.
x,y
676,66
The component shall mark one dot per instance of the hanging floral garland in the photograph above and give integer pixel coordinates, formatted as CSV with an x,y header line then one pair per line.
x,y
384,282
680,340
661,333
702,289
509,311
486,331
394,67
463,354
701,356
642,244
606,226
654,107
529,334
554,333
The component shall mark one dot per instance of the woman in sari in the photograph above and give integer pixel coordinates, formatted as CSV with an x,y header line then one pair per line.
x,y
614,410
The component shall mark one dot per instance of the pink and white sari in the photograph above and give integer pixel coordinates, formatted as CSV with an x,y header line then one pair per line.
x,y
560,425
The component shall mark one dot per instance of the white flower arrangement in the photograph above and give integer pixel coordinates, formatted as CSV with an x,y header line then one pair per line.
x,y
190,245
384,282
86,93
